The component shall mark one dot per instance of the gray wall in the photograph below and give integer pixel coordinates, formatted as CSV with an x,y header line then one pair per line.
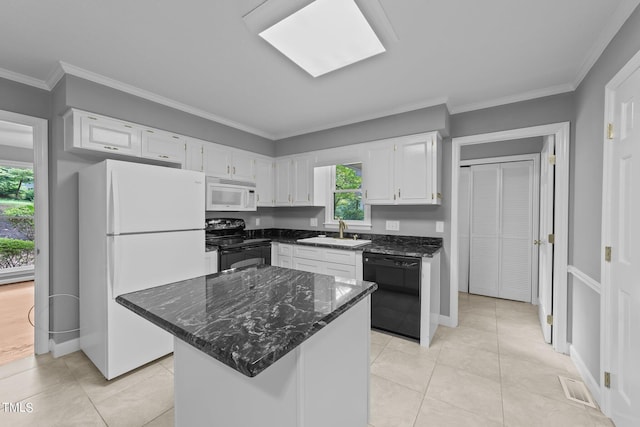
x,y
23,99
16,154
586,185
501,148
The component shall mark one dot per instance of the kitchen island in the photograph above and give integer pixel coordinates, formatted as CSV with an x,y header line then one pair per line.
x,y
265,346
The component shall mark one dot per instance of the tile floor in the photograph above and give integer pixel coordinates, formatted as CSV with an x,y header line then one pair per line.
x,y
493,370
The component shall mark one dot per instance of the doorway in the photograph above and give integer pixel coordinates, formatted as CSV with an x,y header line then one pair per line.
x,y
29,244
560,132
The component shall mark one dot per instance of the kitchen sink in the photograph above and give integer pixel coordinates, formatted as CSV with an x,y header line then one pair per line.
x,y
351,243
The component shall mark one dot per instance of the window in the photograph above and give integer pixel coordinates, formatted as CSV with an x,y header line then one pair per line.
x,y
344,198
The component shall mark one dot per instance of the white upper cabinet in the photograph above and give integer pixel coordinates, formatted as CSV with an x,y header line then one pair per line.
x,y
165,146
264,168
294,181
227,163
194,155
403,170
86,131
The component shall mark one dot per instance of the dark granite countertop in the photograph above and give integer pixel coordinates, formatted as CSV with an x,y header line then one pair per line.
x,y
380,243
248,318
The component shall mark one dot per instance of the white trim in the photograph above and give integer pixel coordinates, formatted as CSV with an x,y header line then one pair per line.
x,y
608,32
16,164
141,93
592,383
503,159
561,218
605,272
584,278
64,348
41,218
24,79
447,321
519,97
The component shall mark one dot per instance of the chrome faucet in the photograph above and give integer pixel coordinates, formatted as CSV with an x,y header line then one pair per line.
x,y
341,227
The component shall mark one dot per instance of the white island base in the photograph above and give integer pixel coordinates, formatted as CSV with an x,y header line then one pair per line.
x,y
323,382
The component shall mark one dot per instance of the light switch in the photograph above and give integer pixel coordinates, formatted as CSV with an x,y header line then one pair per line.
x,y
257,221
393,225
439,226
313,222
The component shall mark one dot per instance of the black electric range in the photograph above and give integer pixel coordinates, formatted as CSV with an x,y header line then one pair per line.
x,y
234,250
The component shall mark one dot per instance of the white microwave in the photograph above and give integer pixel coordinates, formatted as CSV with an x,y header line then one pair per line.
x,y
226,195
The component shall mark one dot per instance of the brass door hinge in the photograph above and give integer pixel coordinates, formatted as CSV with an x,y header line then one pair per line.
x,y
549,319
607,379
609,130
607,253
552,238
552,159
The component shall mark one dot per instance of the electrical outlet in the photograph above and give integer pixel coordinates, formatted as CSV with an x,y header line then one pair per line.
x,y
393,225
257,221
439,226
313,222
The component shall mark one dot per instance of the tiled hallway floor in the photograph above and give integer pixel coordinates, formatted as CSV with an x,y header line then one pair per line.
x,y
493,370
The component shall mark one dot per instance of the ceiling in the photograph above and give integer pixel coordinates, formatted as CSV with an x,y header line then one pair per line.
x,y
202,57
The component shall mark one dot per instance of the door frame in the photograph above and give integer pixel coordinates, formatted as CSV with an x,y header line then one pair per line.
x,y
605,271
561,131
535,158
41,176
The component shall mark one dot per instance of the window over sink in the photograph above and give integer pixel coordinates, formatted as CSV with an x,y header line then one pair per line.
x,y
343,196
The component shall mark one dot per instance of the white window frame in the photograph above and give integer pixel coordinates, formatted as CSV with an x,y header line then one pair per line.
x,y
330,221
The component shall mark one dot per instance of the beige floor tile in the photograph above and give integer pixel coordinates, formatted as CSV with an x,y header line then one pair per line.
x,y
392,405
471,337
380,338
164,420
374,351
484,322
167,362
536,352
33,381
467,391
24,364
413,347
436,413
139,403
65,404
479,362
525,409
410,370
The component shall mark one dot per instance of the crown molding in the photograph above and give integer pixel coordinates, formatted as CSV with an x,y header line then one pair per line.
x,y
21,78
525,96
608,32
141,93
383,113
56,75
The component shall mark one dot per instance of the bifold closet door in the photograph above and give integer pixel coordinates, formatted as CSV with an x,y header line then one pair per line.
x,y
501,232
464,208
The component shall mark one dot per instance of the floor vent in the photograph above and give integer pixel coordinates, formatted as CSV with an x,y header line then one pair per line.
x,y
576,391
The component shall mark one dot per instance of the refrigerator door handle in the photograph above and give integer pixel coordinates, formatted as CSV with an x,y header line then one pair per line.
x,y
112,264
115,208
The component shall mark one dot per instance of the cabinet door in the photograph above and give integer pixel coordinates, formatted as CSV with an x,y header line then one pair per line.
x,y
217,161
109,135
163,146
242,167
411,172
378,174
340,270
309,265
434,170
264,182
285,262
194,155
301,182
282,182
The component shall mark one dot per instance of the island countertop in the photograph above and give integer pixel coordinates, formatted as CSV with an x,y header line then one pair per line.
x,y
248,318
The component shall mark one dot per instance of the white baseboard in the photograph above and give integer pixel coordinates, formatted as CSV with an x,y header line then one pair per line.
x,y
63,348
446,321
589,380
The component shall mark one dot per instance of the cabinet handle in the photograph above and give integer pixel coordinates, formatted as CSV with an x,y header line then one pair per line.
x,y
257,198
394,196
289,197
227,168
366,194
150,131
162,156
399,193
92,118
128,126
308,197
175,137
234,170
110,148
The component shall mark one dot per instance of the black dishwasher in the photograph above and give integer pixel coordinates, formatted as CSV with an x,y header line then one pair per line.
x,y
395,306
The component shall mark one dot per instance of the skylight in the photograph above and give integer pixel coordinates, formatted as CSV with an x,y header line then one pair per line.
x,y
324,36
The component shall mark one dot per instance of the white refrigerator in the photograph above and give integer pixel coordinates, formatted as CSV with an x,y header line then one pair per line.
x,y
140,226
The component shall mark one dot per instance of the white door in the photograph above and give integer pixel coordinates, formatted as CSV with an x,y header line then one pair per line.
x,y
147,198
485,230
545,263
503,219
282,188
243,167
464,206
302,173
624,273
264,182
217,161
411,172
378,174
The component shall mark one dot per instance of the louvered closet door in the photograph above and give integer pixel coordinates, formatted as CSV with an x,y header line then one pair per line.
x,y
485,229
464,208
501,230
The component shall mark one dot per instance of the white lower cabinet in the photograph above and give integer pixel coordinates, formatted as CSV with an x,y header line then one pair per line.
x,y
334,262
283,255
211,262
